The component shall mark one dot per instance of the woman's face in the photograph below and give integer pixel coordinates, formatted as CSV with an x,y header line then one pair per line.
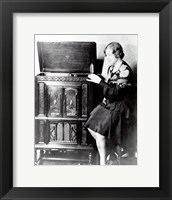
x,y
110,57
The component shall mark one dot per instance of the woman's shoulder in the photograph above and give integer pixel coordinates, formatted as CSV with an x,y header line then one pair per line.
x,y
124,70
125,65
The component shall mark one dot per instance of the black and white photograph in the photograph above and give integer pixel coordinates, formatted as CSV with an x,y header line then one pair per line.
x,y
85,99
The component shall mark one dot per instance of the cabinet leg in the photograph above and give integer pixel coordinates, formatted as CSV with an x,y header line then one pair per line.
x,y
38,155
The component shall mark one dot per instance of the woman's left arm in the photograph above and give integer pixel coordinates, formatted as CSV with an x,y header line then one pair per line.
x,y
113,90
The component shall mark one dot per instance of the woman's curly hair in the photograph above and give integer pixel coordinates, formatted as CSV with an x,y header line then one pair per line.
x,y
116,48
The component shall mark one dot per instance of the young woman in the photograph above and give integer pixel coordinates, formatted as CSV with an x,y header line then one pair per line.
x,y
107,119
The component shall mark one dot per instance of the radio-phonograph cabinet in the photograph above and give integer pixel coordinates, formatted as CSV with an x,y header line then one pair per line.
x,y
63,101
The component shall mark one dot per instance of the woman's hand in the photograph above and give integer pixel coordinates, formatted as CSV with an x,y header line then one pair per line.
x,y
94,78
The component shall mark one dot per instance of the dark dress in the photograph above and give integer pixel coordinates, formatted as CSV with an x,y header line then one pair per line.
x,y
109,118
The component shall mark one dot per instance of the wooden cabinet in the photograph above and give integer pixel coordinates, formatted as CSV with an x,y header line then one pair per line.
x,y
63,101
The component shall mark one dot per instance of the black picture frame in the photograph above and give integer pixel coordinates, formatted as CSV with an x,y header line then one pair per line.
x,y
7,8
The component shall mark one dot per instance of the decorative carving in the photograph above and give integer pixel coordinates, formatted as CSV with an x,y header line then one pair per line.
x,y
84,100
41,99
73,131
53,132
61,78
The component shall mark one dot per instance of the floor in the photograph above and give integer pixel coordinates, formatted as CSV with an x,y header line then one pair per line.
x,y
82,158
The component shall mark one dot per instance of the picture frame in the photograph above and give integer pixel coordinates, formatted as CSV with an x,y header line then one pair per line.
x,y
7,8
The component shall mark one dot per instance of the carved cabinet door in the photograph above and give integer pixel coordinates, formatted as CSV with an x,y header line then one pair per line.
x,y
55,100
71,102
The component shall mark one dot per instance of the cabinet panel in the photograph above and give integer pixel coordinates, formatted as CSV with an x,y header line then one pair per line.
x,y
71,102
60,131
63,132
55,97
40,127
41,99
66,132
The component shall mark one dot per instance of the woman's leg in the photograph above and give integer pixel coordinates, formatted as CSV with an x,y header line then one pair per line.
x,y
101,145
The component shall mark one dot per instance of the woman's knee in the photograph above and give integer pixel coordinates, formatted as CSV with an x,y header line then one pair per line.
x,y
101,141
93,133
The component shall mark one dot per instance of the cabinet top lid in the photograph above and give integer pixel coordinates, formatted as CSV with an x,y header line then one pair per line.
x,y
67,57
